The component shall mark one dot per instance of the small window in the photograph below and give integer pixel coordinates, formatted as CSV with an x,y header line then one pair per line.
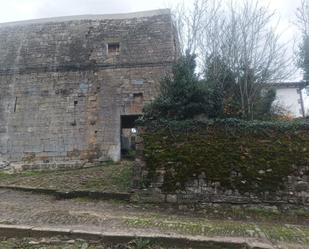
x,y
113,48
138,82
138,98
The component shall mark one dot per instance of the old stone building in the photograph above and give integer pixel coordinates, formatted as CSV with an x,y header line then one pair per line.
x,y
69,85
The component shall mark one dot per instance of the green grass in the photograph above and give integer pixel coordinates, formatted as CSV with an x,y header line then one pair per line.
x,y
259,214
212,228
262,214
112,177
29,243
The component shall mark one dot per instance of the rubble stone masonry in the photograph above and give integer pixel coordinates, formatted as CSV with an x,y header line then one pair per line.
x,y
66,82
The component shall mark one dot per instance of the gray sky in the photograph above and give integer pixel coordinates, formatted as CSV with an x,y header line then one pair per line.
x,y
14,10
11,10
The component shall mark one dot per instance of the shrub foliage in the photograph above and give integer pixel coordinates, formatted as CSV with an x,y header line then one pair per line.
x,y
184,95
243,155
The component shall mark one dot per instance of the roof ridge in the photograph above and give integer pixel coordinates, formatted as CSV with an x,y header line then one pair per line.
x,y
129,15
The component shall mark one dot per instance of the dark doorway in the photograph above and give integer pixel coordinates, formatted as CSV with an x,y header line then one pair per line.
x,y
128,134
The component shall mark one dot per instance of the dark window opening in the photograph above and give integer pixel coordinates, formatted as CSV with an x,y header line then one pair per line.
x,y
137,95
73,123
75,103
15,104
113,48
138,98
128,136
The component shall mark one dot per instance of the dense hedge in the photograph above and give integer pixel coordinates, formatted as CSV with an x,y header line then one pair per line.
x,y
248,156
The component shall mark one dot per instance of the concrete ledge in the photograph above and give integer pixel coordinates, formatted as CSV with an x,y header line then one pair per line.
x,y
15,231
93,195
154,197
18,231
72,194
49,232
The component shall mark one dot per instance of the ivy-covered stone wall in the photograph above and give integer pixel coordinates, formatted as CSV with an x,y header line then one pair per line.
x,y
228,161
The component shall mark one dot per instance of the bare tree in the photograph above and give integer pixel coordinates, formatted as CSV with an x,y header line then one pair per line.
x,y
191,22
302,21
302,15
241,35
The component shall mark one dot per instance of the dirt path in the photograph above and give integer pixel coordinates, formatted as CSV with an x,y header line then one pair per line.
x,y
31,209
20,208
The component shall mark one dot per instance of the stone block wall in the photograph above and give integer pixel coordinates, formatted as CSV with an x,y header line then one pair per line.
x,y
201,190
62,93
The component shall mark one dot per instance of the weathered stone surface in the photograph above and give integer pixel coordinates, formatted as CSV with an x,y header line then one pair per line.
x,y
62,93
199,192
171,198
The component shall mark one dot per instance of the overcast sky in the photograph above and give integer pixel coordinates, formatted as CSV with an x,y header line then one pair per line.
x,y
12,10
15,10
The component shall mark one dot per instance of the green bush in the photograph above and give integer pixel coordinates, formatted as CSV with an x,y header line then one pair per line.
x,y
250,156
184,95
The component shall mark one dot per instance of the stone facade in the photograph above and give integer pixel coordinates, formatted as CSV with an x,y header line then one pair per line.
x,y
66,82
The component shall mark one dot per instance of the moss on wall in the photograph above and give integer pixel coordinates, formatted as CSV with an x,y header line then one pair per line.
x,y
247,156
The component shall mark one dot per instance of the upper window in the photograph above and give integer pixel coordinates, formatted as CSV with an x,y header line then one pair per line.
x,y
113,48
138,82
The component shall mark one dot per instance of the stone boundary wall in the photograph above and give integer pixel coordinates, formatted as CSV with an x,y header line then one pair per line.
x,y
200,192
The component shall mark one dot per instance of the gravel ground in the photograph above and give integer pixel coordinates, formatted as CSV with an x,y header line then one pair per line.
x,y
120,217
111,177
32,209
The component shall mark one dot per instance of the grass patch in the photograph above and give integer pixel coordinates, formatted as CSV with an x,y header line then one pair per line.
x,y
56,243
112,177
259,214
213,228
253,213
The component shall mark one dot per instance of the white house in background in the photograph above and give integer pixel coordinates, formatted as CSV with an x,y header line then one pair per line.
x,y
293,97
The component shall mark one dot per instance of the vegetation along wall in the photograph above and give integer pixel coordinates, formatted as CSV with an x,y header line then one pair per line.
x,y
227,161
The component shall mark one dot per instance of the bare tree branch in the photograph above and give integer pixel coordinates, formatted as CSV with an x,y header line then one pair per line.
x,y
302,22
242,35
